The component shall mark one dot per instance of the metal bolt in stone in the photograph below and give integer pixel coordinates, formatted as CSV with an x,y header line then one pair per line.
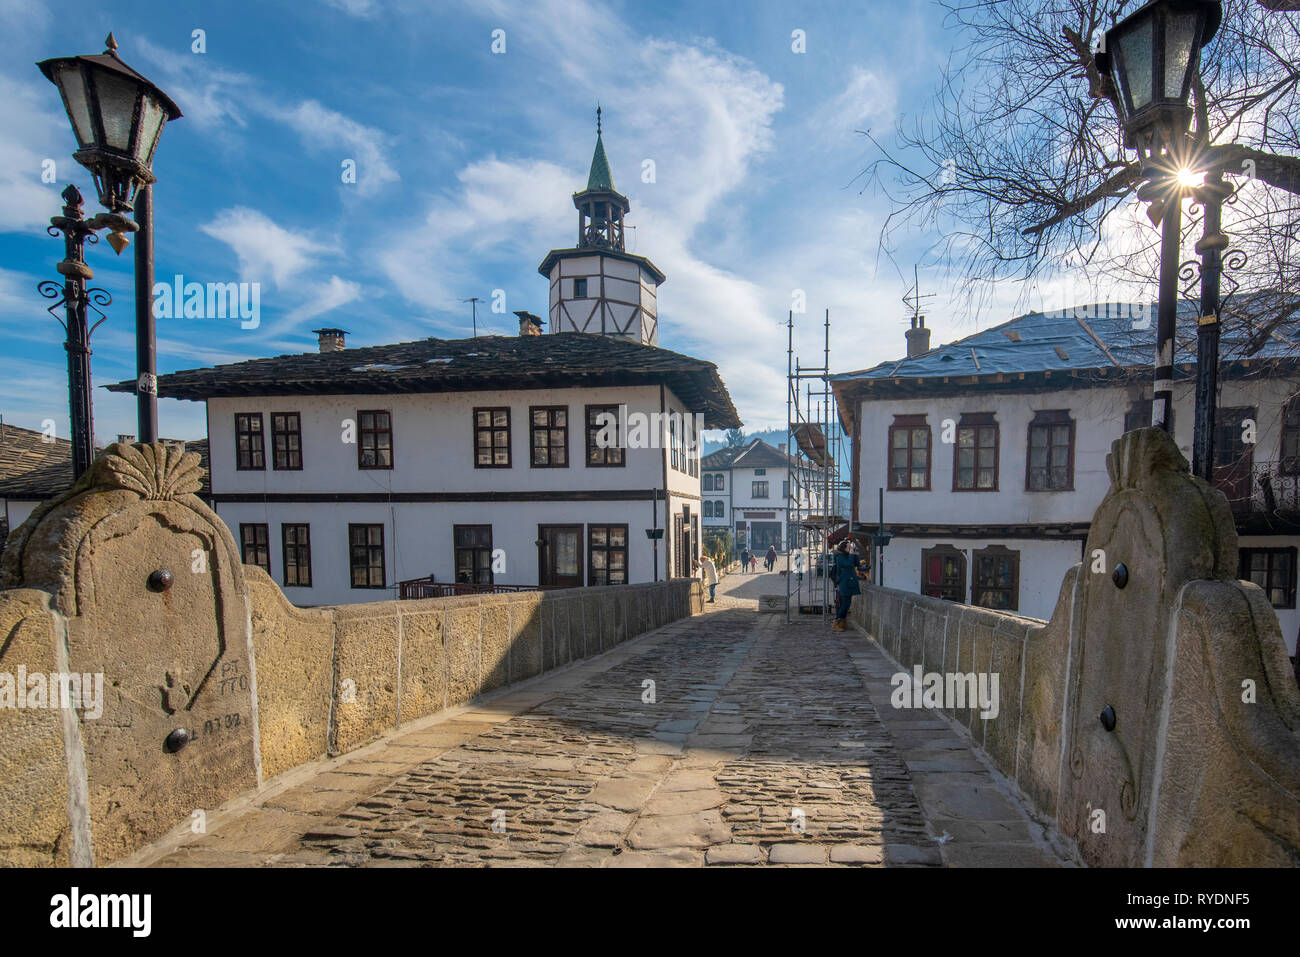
x,y
1107,718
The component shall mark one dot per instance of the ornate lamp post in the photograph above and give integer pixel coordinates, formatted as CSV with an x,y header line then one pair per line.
x,y
1151,57
77,300
118,117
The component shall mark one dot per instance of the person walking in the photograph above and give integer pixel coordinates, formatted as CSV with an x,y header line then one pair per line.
x,y
744,559
753,563
771,557
710,576
846,583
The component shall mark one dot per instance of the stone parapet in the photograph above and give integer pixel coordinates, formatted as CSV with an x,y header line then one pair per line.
x,y
1155,717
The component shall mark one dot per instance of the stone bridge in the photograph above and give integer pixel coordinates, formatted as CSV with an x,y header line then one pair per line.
x,y
637,725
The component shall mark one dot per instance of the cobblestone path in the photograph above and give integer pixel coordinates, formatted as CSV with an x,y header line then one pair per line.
x,y
727,739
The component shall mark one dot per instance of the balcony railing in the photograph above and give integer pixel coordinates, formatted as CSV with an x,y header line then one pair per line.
x,y
429,588
1263,489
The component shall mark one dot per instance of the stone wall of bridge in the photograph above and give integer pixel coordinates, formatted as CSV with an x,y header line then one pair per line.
x,y
1155,717
209,680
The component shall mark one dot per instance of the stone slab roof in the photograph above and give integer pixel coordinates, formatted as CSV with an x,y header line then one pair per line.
x,y
1105,336
554,360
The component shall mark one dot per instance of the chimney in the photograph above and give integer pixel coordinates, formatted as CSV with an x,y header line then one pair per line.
x,y
331,340
126,439
918,338
782,448
529,325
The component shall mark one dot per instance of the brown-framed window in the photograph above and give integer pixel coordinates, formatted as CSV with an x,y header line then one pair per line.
x,y
286,441
975,453
1272,569
759,489
692,449
1138,415
1049,466
909,454
996,582
1234,457
366,555
250,442
492,438
374,439
580,288
550,436
296,542
473,544
1290,442
607,555
254,547
672,438
597,456
943,573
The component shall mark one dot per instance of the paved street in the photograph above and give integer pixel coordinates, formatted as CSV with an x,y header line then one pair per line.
x,y
726,739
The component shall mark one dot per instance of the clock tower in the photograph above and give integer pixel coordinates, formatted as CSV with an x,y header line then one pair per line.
x,y
597,286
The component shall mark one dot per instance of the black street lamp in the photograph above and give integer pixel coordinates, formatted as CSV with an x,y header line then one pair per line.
x,y
118,117
1152,56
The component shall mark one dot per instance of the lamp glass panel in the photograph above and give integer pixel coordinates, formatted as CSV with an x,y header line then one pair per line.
x,y
151,123
1135,46
1180,34
74,91
117,97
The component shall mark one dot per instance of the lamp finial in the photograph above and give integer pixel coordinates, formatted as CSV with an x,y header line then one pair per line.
x,y
111,44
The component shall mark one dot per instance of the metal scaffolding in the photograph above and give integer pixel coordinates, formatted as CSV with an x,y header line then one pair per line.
x,y
816,482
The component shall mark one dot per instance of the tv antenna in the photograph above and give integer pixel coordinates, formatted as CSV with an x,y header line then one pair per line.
x,y
473,300
914,298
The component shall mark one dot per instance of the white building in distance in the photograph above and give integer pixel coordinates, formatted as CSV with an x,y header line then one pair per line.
x,y
756,493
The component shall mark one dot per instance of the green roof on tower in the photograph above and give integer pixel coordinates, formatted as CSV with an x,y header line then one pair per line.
x,y
600,177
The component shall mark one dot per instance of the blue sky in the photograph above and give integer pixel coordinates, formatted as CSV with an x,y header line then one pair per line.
x,y
466,161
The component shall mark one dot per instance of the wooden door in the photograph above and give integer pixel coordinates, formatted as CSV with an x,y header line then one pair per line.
x,y
559,558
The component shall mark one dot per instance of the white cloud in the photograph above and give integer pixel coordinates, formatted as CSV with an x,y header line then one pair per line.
x,y
323,128
334,293
363,9
214,99
869,97
36,131
498,205
208,95
263,248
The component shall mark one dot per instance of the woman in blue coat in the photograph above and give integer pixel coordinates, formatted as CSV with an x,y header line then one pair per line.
x,y
846,583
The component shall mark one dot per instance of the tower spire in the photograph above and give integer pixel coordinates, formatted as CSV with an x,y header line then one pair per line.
x,y
600,176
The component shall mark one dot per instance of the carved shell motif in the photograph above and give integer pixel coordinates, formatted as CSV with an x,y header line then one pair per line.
x,y
155,472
